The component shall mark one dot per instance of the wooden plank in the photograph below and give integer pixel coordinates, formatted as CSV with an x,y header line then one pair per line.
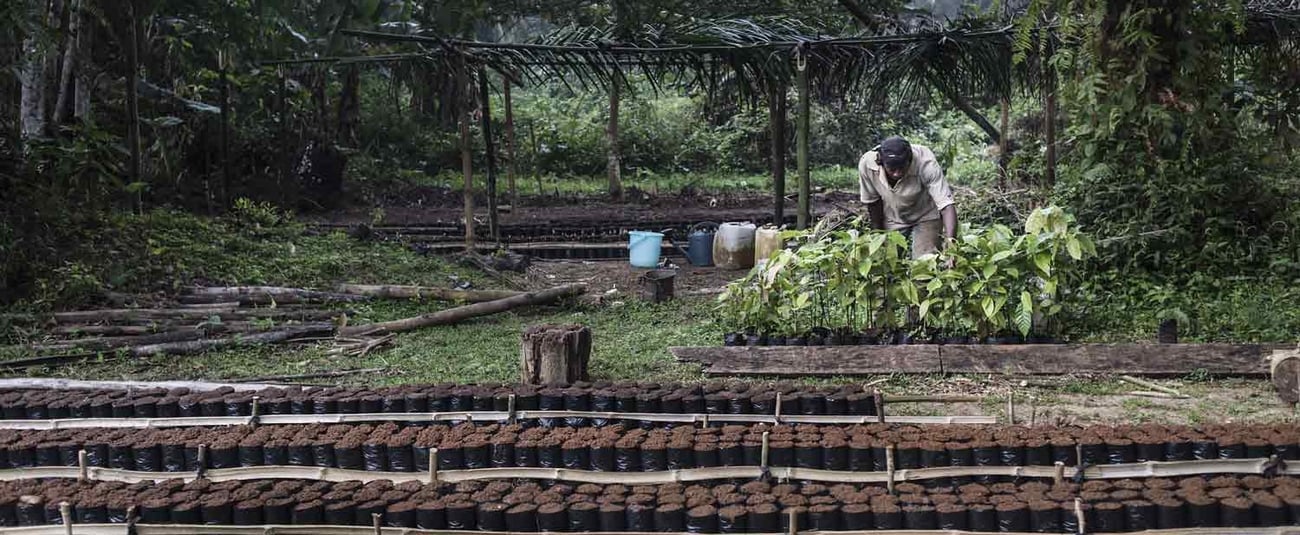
x,y
1150,360
812,361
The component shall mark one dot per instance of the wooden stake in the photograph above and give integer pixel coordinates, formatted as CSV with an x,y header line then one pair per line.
x,y
65,512
1078,515
801,126
889,466
777,414
83,470
510,407
763,452
794,521
374,522
1059,476
880,406
433,466
202,461
1011,408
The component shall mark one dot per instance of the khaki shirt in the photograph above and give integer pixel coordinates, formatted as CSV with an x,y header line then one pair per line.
x,y
917,197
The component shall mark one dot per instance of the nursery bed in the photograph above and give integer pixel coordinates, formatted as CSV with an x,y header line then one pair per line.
x,y
1129,505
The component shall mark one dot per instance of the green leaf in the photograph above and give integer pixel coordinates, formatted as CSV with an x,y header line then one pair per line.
x,y
1075,249
925,308
1002,255
1025,313
990,307
1044,262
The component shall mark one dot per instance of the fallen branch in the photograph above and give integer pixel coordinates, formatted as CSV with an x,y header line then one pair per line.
x,y
177,335
453,315
136,315
360,347
1151,385
315,375
1162,395
184,347
261,295
425,292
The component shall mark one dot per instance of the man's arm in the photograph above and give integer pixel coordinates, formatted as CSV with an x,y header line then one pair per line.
x,y
876,214
949,215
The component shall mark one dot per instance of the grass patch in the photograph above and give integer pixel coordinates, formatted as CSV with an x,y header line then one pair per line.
x,y
630,342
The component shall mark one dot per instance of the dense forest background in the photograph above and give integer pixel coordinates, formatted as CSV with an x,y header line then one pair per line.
x,y
126,127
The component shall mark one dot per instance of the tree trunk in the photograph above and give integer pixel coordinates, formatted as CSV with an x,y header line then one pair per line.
x,y
554,354
466,159
490,154
223,84
1004,148
805,186
510,143
611,135
972,113
83,81
453,315
349,107
71,52
776,120
1049,114
132,45
32,75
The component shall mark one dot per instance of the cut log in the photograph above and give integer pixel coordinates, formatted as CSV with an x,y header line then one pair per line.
x,y
555,354
1149,360
425,292
144,315
453,315
260,295
814,361
1285,369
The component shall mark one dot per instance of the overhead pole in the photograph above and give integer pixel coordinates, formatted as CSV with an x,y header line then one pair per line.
x,y
802,123
485,96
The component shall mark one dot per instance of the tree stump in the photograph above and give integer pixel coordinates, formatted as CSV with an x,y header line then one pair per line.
x,y
1285,370
555,354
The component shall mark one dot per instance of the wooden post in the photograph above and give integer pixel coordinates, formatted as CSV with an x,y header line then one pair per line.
x,y
776,118
805,186
485,96
466,159
1285,370
555,354
611,135
510,142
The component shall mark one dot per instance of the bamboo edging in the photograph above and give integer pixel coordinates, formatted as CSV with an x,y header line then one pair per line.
x,y
475,416
182,529
435,475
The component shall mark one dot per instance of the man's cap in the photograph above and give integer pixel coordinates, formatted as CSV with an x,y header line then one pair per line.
x,y
895,152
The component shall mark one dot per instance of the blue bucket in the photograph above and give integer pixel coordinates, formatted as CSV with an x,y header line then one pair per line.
x,y
643,248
